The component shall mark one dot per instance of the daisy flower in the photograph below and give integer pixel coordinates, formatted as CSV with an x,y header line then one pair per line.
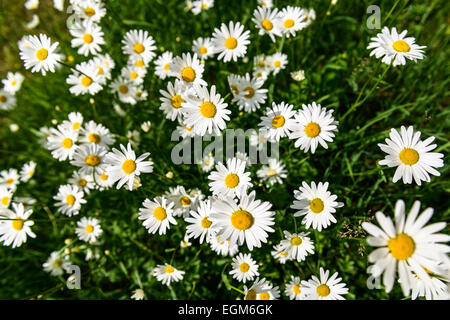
x,y
186,132
97,134
91,10
407,244
235,84
7,100
5,197
171,100
230,180
85,80
157,215
206,111
27,171
138,294
104,64
84,181
261,290
133,74
134,137
182,200
411,156
291,20
298,245
124,166
124,89
325,288
56,264
88,229
203,47
317,204
265,3
314,125
139,45
280,254
188,69
14,232
433,289
231,41
267,22
244,268
294,289
69,200
9,179
88,37
31,4
185,242
273,172
221,246
207,163
298,75
277,62
248,221
162,65
62,143
260,139
74,122
198,223
391,45
309,16
13,82
40,54
279,121
251,94
103,181
167,273
200,5
90,158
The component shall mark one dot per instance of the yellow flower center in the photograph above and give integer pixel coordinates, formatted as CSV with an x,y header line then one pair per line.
x,y
76,126
13,83
70,200
5,201
271,172
100,70
58,263
232,180
9,181
128,166
140,63
160,213
312,129
86,81
123,89
242,220
169,269
264,296
296,241
82,182
92,160
42,54
17,224
402,246
296,289
188,74
288,23
177,101
3,99
206,223
278,121
188,129
203,50
284,253
409,156
316,205
400,46
166,67
267,25
133,75
323,290
94,138
88,38
251,295
231,43
251,92
89,12
67,143
185,201
139,48
89,228
277,63
208,109
103,176
244,267
70,59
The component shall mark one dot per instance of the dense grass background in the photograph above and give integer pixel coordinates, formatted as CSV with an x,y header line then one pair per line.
x,y
332,51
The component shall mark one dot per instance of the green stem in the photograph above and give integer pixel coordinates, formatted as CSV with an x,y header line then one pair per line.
x,y
390,12
73,68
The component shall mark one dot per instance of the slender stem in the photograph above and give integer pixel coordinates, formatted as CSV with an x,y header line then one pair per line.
x,y
73,68
357,103
236,289
390,12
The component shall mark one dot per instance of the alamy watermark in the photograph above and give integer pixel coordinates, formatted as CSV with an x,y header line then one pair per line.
x,y
374,20
74,280
225,146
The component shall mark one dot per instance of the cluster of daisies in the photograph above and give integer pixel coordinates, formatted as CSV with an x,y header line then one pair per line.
x,y
11,85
